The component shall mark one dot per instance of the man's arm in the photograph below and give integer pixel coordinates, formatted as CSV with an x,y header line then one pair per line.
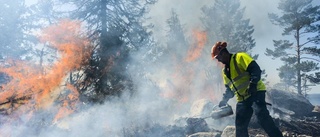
x,y
255,76
226,96
254,71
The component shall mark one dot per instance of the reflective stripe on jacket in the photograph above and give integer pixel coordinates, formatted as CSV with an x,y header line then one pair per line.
x,y
240,78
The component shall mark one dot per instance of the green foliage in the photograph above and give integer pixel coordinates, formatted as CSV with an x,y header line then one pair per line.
x,y
314,51
224,21
289,60
20,24
287,73
177,44
115,26
308,66
297,14
280,48
314,78
299,19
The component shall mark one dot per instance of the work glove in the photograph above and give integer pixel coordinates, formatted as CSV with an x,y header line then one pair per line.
x,y
252,90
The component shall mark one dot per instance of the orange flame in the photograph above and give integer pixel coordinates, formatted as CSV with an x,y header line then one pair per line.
x,y
179,86
68,103
196,49
28,80
66,38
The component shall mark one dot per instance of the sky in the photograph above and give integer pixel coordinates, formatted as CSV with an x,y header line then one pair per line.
x,y
257,11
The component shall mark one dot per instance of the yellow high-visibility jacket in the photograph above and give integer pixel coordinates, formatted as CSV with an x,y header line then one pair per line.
x,y
239,80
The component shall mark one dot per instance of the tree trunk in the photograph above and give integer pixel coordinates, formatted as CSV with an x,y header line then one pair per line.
x,y
103,19
298,63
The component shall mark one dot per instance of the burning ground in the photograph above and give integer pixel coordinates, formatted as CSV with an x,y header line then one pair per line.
x,y
40,100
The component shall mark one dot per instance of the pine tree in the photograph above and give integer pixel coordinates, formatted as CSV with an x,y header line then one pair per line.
x,y
176,43
176,35
12,31
224,21
174,56
301,20
40,15
115,26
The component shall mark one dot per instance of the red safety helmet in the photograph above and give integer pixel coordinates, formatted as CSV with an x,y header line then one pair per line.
x,y
216,48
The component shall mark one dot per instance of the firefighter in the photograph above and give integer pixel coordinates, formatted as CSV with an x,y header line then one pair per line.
x,y
242,77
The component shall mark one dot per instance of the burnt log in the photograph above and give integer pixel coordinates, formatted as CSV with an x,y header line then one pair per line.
x,y
11,103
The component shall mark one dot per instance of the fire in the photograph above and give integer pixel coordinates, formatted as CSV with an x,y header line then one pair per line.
x,y
192,79
196,49
68,103
180,85
66,38
39,88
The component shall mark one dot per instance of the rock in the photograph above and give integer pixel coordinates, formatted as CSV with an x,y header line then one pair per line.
x,y
260,135
195,125
201,108
229,131
316,109
293,103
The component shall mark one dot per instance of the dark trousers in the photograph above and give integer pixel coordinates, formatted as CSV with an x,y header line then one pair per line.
x,y
244,112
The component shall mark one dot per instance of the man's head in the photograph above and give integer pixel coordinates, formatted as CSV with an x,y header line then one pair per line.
x,y
219,51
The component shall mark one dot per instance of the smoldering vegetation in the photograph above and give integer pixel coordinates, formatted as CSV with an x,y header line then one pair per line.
x,y
104,68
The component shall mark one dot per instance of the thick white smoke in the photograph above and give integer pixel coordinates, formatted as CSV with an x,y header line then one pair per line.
x,y
116,116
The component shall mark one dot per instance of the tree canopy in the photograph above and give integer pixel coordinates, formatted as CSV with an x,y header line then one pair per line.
x,y
301,20
224,21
